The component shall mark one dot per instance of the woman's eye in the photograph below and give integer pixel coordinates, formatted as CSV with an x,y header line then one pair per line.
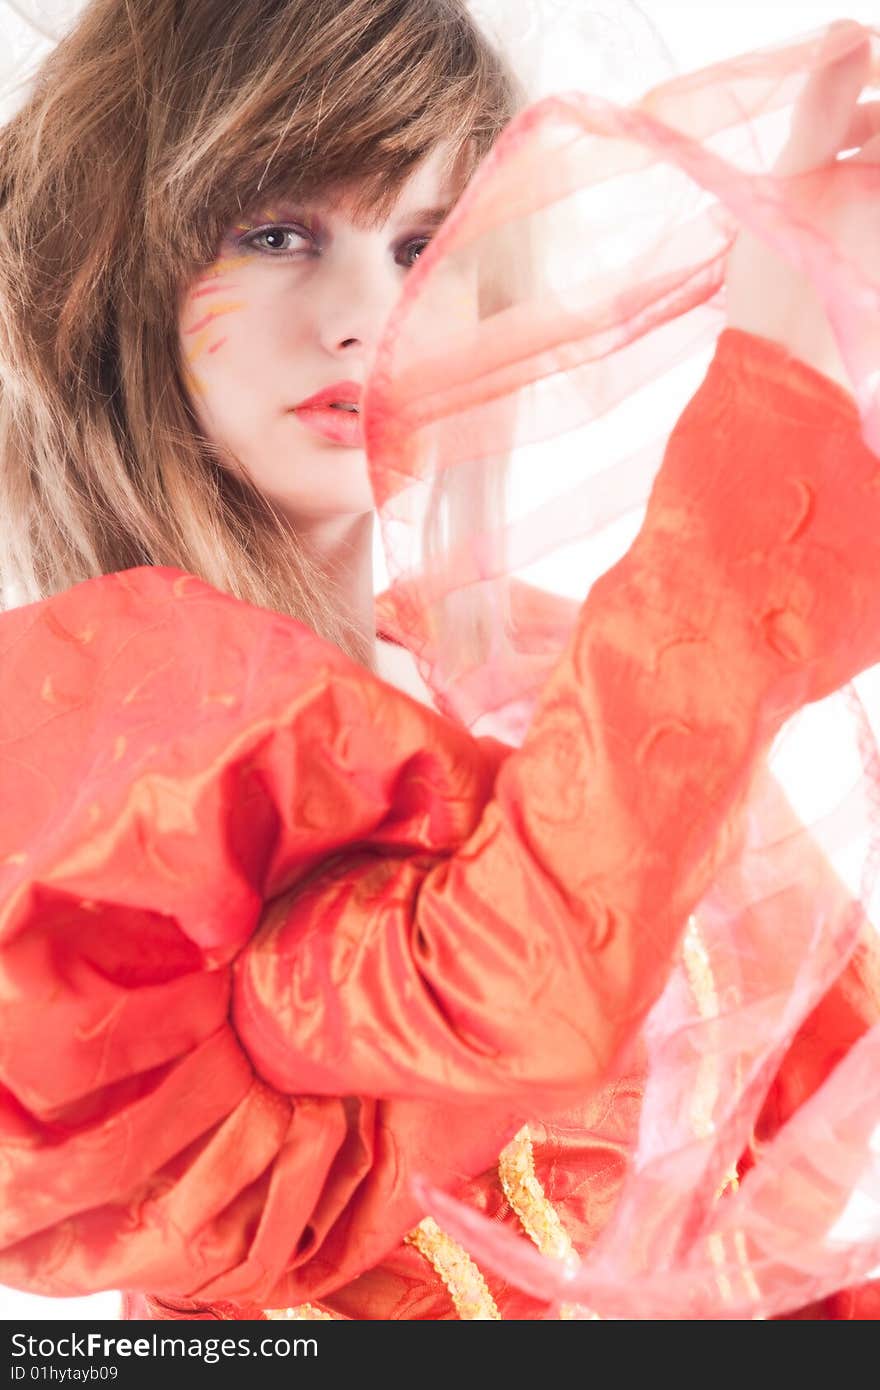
x,y
272,239
281,241
421,242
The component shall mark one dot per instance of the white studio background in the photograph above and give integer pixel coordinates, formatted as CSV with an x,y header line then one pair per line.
x,y
695,33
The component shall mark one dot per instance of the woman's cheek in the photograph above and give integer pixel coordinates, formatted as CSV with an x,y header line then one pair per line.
x,y
205,321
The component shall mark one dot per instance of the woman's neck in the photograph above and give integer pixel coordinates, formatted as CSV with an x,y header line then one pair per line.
x,y
343,547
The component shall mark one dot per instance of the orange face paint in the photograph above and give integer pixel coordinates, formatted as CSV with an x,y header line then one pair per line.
x,y
211,282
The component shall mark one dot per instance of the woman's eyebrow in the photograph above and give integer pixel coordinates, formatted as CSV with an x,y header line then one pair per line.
x,y
431,217
283,208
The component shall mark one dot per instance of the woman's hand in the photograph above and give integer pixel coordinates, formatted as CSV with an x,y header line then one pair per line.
x,y
766,294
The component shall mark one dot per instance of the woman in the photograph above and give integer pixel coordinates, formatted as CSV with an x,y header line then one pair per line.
x,y
302,938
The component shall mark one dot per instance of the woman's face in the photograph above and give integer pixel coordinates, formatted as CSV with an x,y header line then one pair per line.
x,y
294,303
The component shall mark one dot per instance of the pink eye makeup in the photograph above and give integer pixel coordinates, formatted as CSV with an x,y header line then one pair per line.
x,y
268,221
271,222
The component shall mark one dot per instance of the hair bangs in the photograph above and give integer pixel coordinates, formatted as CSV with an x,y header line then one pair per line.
x,y
268,132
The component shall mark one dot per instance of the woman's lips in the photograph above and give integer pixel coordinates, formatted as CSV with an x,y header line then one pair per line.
x,y
341,426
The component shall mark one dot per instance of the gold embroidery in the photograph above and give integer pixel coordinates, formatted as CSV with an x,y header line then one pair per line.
x,y
454,1266
303,1312
749,1279
740,1264
716,1249
462,1277
537,1215
524,1191
702,982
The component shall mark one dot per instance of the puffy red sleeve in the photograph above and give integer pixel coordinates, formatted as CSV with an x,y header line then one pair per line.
x,y
273,936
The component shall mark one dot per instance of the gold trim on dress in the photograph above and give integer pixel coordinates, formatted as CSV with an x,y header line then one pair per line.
x,y
537,1215
303,1312
461,1275
529,1202
702,982
698,969
539,1218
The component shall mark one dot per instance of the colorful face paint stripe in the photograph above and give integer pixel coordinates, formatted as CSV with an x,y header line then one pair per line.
x,y
199,346
272,214
215,312
193,383
213,289
224,265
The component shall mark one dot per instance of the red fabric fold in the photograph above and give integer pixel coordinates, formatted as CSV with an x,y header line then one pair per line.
x,y
459,934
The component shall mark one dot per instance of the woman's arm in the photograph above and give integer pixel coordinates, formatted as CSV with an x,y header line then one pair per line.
x,y
521,963
206,1095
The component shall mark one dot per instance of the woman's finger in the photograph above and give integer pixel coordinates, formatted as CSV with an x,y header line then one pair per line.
x,y
824,112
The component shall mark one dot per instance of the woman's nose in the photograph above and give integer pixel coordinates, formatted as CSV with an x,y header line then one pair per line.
x,y
355,308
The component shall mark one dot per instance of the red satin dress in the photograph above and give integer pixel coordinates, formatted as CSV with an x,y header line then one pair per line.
x,y
276,937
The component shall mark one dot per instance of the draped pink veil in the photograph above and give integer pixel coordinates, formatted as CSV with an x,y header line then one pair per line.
x,y
544,347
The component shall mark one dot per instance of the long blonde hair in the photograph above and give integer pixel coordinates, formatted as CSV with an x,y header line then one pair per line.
x,y
146,132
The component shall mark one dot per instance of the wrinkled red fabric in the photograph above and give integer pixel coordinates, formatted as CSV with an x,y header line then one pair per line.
x,y
295,937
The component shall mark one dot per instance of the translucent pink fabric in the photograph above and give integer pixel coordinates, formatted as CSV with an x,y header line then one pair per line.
x,y
541,402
